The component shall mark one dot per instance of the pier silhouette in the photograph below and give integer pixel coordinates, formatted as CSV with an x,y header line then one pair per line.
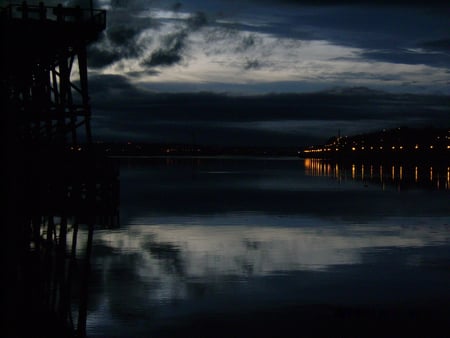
x,y
58,188
44,50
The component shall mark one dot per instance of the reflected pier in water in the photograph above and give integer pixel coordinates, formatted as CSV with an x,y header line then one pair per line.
x,y
59,216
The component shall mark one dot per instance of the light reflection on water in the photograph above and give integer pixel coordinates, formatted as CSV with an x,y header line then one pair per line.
x,y
229,236
400,175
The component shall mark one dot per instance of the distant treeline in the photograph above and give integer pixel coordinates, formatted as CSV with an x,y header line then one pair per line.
x,y
398,143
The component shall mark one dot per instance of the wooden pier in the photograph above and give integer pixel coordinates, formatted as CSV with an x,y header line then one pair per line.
x,y
58,190
44,69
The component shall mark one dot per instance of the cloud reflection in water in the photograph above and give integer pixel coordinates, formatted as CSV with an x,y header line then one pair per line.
x,y
171,255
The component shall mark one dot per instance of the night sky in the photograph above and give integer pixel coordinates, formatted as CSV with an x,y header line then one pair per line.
x,y
267,72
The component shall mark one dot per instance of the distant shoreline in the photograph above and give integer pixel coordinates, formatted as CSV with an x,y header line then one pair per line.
x,y
409,162
398,144
221,156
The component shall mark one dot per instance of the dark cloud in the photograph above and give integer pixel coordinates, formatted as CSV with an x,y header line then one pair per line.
x,y
169,53
247,42
81,3
98,57
442,45
118,43
122,111
124,41
120,40
393,34
252,64
162,57
122,34
175,41
197,20
121,37
177,6
131,4
408,56
139,74
395,41
109,88
355,2
172,45
337,104
385,31
120,3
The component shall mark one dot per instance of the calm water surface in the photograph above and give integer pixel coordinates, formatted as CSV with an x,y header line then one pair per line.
x,y
224,237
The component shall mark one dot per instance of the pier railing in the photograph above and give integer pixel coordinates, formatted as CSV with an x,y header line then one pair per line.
x,y
60,14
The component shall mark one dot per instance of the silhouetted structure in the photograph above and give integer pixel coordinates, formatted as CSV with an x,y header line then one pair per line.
x,y
57,186
44,69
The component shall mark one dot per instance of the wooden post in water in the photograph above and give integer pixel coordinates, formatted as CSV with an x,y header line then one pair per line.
x,y
82,314
82,67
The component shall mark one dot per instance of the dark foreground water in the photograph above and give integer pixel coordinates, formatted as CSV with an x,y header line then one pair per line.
x,y
273,247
